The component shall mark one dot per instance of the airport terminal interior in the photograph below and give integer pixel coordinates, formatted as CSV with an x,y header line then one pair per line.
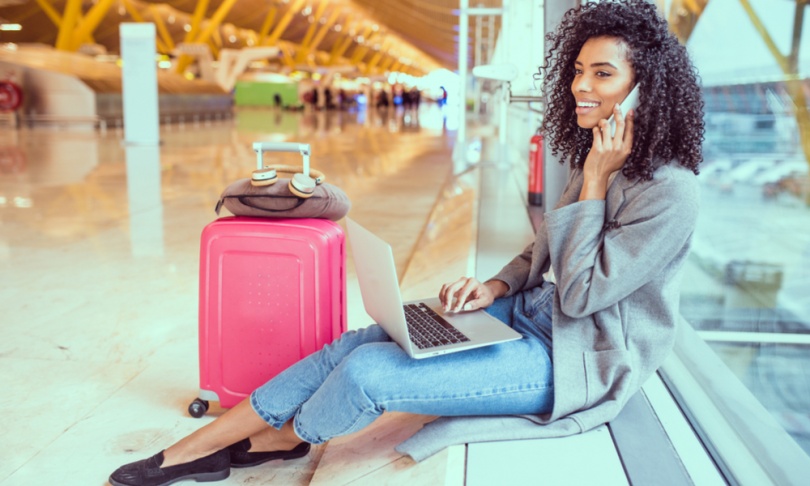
x,y
109,175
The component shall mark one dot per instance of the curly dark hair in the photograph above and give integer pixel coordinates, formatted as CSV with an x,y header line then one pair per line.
x,y
669,120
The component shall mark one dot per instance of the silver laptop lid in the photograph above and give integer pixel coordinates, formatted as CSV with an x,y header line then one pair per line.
x,y
379,287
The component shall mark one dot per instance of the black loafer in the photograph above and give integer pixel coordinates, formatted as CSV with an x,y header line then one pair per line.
x,y
240,457
149,473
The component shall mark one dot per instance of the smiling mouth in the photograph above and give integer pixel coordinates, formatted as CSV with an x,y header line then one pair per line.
x,y
587,104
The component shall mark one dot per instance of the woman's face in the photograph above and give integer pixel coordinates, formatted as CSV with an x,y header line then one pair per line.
x,y
602,78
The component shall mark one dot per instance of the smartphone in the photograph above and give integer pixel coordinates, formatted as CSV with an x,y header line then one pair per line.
x,y
629,103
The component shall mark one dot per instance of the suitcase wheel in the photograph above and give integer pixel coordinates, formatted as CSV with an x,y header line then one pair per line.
x,y
198,408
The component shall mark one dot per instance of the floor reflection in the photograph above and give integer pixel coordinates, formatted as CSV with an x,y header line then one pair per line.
x,y
99,250
145,201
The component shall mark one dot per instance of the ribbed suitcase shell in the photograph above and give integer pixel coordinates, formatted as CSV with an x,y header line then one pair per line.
x,y
272,291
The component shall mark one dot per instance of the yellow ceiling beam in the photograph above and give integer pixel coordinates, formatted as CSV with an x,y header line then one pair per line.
x,y
216,20
385,65
215,43
315,41
375,59
324,29
73,9
286,56
50,12
339,48
268,22
54,16
684,15
196,20
788,64
314,25
85,28
163,32
137,17
284,22
361,50
396,66
211,28
766,37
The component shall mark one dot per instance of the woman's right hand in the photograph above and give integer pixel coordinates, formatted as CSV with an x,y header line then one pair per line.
x,y
607,155
468,294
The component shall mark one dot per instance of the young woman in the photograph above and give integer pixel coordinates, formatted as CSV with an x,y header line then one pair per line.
x,y
595,296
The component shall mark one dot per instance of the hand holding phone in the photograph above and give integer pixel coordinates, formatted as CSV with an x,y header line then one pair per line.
x,y
630,102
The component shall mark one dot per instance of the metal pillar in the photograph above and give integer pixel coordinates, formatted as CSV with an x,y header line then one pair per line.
x,y
555,174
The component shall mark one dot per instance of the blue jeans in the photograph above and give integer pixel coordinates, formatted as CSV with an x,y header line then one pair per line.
x,y
349,383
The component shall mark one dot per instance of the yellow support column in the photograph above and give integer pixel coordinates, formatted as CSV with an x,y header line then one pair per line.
x,y
73,9
84,30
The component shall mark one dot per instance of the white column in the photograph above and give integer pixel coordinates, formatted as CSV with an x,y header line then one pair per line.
x,y
140,93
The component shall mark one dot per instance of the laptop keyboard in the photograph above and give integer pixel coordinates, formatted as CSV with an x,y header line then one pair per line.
x,y
428,329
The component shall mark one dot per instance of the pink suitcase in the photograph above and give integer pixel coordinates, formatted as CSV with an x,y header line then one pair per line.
x,y
272,291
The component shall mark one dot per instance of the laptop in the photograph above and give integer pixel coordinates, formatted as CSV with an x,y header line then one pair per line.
x,y
427,330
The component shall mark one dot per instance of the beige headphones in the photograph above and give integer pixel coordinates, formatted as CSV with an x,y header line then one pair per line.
x,y
303,181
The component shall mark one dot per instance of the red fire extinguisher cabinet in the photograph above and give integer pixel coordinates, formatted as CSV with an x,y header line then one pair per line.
x,y
536,170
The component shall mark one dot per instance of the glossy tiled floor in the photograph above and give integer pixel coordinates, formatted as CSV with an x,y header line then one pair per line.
x,y
99,258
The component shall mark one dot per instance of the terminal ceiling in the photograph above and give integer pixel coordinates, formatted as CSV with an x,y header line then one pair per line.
x,y
414,36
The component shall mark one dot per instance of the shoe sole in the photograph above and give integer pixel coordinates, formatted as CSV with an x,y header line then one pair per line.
x,y
199,477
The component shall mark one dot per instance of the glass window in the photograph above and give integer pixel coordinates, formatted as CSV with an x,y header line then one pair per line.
x,y
746,289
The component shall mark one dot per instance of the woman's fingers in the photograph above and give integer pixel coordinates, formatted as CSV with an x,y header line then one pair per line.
x,y
627,141
453,296
618,117
448,293
464,294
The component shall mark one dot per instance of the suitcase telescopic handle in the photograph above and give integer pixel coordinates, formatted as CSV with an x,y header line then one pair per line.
x,y
261,147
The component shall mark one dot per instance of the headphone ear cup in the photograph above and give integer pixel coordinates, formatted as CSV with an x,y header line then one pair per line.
x,y
302,186
263,177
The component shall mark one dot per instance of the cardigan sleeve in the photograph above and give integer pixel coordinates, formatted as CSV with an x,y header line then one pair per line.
x,y
597,265
516,273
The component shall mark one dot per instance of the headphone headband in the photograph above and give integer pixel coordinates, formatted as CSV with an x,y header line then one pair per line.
x,y
296,169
